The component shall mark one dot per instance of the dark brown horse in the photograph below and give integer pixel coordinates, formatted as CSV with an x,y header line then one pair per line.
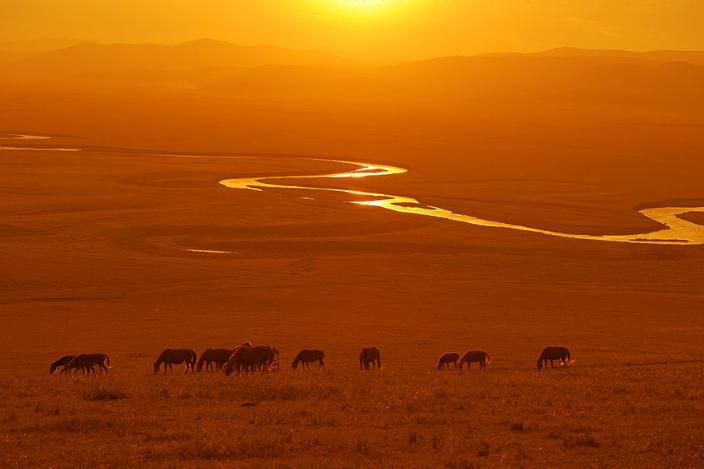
x,y
251,359
217,356
307,357
480,356
170,357
63,361
448,358
369,355
87,362
554,353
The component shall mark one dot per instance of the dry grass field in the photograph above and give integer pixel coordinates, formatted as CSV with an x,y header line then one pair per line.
x,y
625,415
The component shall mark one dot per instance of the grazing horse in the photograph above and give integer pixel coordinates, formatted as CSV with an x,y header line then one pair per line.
x,y
251,358
448,358
87,362
554,353
369,355
63,361
170,357
480,356
307,357
218,356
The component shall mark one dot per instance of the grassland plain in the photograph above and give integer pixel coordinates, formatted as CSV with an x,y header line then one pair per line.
x,y
617,414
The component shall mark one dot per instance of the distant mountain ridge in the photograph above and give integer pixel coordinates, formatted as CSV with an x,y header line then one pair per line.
x,y
566,77
691,56
90,58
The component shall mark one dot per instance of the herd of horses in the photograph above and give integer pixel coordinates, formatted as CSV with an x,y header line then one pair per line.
x,y
265,358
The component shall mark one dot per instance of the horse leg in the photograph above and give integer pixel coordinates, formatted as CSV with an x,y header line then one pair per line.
x,y
321,365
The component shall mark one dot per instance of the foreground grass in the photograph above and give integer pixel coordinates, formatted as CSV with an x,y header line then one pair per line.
x,y
648,416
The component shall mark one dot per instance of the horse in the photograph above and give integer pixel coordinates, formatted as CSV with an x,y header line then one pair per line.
x,y
448,358
369,355
87,362
308,356
480,356
170,357
60,362
218,356
251,358
554,353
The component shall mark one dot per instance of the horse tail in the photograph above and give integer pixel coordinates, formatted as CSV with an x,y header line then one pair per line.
x,y
106,360
488,359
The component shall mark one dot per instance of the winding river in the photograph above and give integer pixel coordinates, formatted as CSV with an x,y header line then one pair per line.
x,y
675,230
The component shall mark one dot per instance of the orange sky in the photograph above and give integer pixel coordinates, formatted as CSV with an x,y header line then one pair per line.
x,y
373,29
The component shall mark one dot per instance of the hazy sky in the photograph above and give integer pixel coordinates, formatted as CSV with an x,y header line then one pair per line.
x,y
379,29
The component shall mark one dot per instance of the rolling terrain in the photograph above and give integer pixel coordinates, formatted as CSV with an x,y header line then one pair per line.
x,y
102,252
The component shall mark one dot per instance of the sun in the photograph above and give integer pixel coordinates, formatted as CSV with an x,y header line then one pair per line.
x,y
359,9
360,6
364,3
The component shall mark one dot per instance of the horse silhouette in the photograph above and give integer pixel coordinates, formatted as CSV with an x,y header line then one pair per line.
x,y
307,357
212,356
251,359
479,356
63,361
448,358
87,362
554,353
369,355
170,357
